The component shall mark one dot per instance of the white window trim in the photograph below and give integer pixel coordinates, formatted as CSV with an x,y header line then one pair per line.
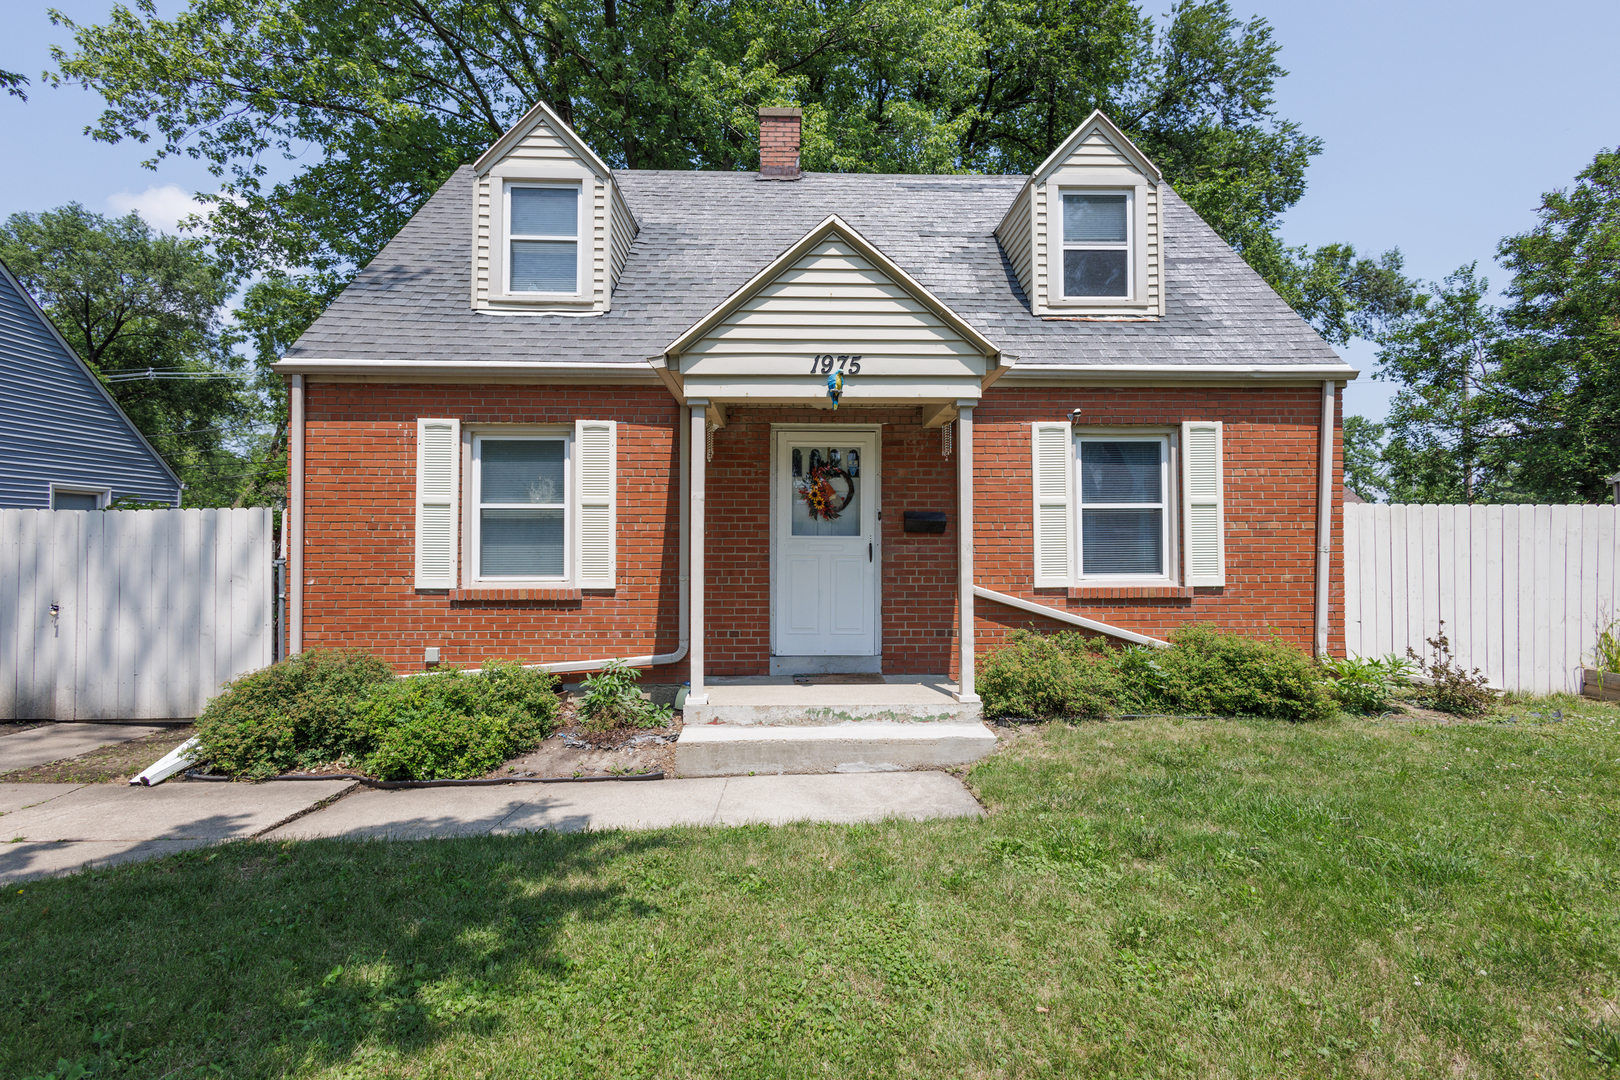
x,y
103,494
1130,246
582,231
474,506
1169,500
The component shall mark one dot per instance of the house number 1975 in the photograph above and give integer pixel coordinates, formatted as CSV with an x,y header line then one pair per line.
x,y
827,363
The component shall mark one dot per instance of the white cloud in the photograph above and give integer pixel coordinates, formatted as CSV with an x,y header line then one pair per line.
x,y
160,207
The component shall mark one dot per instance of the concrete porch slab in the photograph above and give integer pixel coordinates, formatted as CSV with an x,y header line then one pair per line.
x,y
778,700
862,747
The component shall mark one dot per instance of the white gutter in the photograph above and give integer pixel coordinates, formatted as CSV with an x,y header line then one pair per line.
x,y
1189,372
507,368
1324,520
1073,620
295,506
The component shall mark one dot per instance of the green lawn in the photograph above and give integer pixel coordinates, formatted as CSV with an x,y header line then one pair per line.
x,y
1146,899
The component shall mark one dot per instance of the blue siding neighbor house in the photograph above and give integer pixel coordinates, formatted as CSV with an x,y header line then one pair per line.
x,y
68,446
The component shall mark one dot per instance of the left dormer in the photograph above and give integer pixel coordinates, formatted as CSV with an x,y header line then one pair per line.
x,y
551,230
1086,233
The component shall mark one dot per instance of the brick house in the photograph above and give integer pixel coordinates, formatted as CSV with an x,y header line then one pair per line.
x,y
572,413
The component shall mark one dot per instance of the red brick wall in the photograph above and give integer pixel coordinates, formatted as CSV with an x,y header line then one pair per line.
x,y
360,491
1271,443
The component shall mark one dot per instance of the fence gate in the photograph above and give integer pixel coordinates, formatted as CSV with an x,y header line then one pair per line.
x,y
1523,590
130,614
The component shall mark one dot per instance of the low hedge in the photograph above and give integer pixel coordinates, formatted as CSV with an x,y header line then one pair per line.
x,y
326,707
1203,672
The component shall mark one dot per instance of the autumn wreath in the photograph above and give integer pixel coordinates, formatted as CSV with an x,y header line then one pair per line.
x,y
819,495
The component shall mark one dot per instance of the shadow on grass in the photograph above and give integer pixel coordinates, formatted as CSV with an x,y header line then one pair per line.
x,y
264,957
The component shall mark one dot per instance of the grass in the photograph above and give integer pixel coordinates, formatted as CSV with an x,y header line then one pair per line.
x,y
1146,899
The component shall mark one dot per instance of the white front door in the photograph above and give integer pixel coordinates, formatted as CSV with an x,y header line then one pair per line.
x,y
825,550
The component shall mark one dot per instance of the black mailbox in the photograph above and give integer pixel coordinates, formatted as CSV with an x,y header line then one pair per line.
x,y
925,521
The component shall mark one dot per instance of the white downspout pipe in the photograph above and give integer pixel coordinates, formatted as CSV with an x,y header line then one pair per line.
x,y
684,559
1324,520
1069,617
964,552
295,502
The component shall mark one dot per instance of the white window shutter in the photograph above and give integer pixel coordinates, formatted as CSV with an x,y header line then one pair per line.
x,y
1053,450
438,470
1203,501
596,471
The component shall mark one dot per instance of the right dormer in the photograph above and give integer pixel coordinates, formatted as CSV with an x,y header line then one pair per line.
x,y
1084,234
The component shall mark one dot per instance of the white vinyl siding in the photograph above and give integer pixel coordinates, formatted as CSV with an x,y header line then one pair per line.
x,y
596,454
1053,470
438,464
1014,234
1123,487
1203,484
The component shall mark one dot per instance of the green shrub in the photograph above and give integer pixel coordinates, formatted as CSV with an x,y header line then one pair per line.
x,y
611,701
320,708
291,715
1366,684
1204,672
1451,687
1049,677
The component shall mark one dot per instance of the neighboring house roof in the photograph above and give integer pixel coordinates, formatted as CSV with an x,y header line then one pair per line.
x,y
705,234
61,425
1350,495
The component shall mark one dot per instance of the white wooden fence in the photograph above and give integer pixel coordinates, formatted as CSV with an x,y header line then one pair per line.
x,y
1523,590
130,614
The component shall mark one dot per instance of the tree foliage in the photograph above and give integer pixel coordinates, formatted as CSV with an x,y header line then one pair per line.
x,y
130,300
1560,369
384,99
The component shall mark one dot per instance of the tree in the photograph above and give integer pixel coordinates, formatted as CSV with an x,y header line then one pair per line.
x,y
386,98
14,84
1560,377
132,302
1364,470
1443,352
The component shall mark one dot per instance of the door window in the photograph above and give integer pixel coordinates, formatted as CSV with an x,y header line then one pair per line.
x,y
826,490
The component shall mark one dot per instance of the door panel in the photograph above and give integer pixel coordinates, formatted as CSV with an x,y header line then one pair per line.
x,y
825,558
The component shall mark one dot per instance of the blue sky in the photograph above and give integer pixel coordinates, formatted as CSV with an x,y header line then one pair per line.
x,y
1443,123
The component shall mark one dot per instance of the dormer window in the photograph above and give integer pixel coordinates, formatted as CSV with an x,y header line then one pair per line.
x,y
542,238
1096,244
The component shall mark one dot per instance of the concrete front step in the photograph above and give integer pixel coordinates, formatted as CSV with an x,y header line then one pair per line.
x,y
713,749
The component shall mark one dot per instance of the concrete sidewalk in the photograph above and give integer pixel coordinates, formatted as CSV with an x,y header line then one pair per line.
x,y
59,828
54,742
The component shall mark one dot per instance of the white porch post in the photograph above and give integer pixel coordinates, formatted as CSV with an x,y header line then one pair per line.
x,y
964,548
699,441
295,507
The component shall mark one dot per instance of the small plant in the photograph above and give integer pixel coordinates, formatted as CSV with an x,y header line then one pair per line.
x,y
612,702
1606,653
1452,688
1364,684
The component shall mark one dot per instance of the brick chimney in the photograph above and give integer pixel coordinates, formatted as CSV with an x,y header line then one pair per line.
x,y
779,143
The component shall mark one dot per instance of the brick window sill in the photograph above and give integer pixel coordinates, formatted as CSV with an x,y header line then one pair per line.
x,y
1131,592
552,596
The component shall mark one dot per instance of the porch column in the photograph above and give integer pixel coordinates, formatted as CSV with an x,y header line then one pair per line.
x,y
699,442
964,548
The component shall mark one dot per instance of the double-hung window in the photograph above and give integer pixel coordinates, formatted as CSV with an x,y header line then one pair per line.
x,y
542,226
520,488
1096,244
1124,519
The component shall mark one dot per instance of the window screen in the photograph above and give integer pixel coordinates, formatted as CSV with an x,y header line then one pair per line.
x,y
1122,507
522,509
1096,245
544,239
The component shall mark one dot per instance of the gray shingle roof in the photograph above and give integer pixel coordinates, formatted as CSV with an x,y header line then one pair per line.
x,y
704,234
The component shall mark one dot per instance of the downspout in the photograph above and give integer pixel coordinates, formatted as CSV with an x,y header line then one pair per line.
x,y
684,569
295,553
1072,619
1324,520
